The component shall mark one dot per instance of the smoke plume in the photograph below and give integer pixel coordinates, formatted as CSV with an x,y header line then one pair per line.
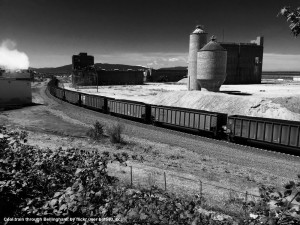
x,y
11,58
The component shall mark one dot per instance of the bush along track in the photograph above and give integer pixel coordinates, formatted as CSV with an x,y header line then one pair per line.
x,y
73,184
277,206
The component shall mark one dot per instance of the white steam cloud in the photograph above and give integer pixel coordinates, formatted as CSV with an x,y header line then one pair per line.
x,y
11,58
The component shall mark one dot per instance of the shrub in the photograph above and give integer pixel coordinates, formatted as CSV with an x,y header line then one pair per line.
x,y
277,207
96,133
75,184
31,178
114,132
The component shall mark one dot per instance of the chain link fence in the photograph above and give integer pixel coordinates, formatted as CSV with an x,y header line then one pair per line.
x,y
212,195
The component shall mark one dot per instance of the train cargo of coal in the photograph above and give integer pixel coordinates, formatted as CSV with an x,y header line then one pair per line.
x,y
267,133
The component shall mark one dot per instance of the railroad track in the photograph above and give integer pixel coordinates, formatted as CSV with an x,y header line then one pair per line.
x,y
184,134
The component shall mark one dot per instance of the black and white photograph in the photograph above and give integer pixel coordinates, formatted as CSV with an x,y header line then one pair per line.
x,y
150,112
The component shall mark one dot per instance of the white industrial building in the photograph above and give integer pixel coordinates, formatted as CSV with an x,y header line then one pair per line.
x,y
15,89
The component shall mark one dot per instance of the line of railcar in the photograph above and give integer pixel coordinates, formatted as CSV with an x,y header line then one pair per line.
x,y
256,130
277,134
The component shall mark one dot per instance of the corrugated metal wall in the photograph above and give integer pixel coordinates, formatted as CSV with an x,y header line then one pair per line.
x,y
244,63
232,64
86,78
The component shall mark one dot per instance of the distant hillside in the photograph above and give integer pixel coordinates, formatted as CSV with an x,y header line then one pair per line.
x,y
61,69
107,66
282,73
68,68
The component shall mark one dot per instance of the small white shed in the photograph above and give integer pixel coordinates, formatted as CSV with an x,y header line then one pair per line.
x,y
15,90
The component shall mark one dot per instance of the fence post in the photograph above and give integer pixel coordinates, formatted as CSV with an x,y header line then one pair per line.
x,y
131,176
200,191
246,200
165,178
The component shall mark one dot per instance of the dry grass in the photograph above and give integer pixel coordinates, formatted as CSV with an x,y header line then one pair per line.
x,y
184,169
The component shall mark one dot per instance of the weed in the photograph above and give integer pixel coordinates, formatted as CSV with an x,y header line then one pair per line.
x,y
147,149
96,133
234,198
151,180
114,132
176,156
213,177
250,177
155,152
119,146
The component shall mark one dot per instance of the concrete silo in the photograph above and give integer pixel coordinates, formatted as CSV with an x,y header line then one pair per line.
x,y
197,40
211,66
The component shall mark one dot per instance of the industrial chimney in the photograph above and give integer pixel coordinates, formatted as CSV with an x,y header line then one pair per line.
x,y
197,40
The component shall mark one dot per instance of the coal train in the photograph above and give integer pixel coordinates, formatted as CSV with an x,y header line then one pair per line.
x,y
262,132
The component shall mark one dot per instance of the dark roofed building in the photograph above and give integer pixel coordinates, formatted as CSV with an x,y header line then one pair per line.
x,y
82,61
244,62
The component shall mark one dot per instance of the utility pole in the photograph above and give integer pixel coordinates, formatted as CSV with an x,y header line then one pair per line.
x,y
96,74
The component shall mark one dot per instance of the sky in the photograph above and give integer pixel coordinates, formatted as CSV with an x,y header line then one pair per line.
x,y
153,33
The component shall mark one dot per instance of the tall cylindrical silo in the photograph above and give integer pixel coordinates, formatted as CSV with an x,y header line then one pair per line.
x,y
211,66
197,40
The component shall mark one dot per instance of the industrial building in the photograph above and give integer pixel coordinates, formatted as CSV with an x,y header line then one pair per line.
x,y
85,73
120,77
82,61
165,75
15,89
244,60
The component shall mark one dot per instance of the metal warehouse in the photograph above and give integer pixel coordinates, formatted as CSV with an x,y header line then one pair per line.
x,y
244,62
119,77
165,75
85,73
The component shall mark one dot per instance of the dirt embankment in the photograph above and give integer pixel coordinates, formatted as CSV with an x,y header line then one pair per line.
x,y
291,103
231,104
271,99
